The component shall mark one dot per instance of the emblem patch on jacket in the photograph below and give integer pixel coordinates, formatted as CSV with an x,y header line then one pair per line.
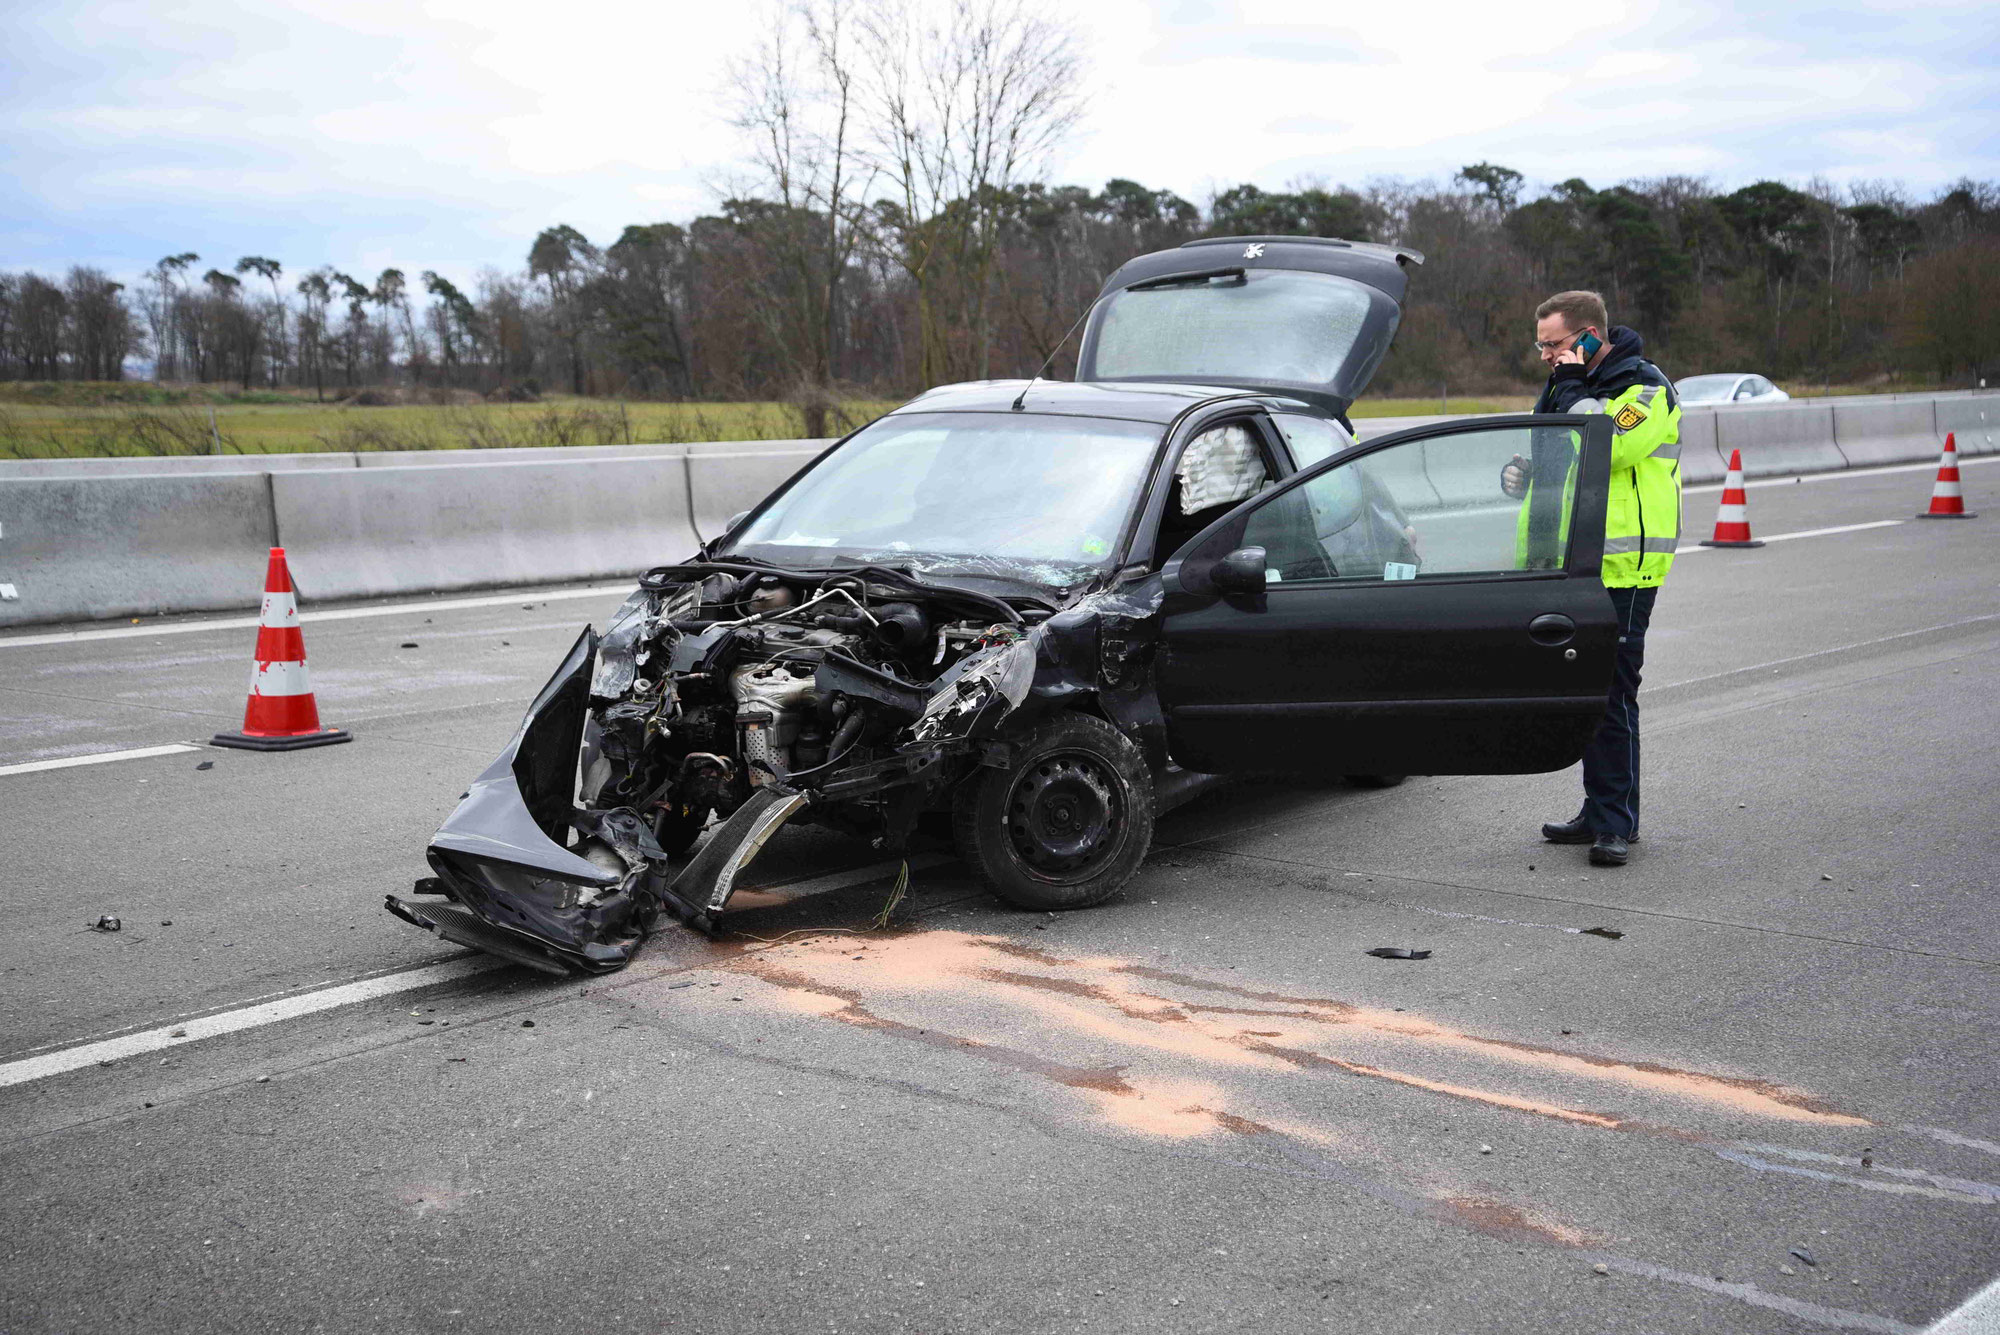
x,y
1629,416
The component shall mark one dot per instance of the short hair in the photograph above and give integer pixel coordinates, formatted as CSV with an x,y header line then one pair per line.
x,y
1579,310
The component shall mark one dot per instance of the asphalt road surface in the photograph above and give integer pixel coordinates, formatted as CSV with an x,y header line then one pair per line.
x,y
1768,1106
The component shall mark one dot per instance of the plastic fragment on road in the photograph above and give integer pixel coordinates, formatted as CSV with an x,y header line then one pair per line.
x,y
107,923
1609,934
1804,1255
1398,953
206,764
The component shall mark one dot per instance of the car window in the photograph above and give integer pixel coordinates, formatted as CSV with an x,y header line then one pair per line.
x,y
1271,324
1747,389
1019,486
1311,439
1426,508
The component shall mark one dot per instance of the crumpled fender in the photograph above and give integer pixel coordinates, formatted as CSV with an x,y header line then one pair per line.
x,y
501,854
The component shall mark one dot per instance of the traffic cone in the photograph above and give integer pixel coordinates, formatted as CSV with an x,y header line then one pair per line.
x,y
1732,519
1947,501
281,714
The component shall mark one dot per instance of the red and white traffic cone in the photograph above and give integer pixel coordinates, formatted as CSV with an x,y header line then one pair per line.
x,y
281,714
1732,519
1947,501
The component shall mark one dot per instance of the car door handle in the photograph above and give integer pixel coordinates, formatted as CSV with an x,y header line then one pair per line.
x,y
1551,628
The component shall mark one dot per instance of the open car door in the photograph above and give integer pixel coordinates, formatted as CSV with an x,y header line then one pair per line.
x,y
1392,610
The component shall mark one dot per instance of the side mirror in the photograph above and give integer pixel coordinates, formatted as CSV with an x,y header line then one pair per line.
x,y
729,524
1242,571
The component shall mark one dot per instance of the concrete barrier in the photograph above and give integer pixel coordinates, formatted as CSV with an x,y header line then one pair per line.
x,y
374,531
1702,459
172,465
1886,433
91,538
92,547
726,483
1778,440
1975,422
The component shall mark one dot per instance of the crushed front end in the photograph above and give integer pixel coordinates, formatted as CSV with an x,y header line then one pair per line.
x,y
854,698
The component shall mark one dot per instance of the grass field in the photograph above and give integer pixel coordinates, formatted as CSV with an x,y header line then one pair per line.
x,y
44,420
275,424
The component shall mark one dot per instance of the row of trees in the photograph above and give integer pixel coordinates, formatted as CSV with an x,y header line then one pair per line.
x,y
894,228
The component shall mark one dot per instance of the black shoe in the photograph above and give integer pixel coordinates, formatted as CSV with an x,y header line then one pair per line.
x,y
1609,850
1569,831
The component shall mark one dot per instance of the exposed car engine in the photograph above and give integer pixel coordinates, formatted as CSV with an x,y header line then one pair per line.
x,y
717,684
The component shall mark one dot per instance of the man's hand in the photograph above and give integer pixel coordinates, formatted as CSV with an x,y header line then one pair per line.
x,y
1569,357
1514,477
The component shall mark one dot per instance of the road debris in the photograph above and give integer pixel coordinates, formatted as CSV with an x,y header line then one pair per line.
x,y
1607,933
1600,1269
527,1024
1804,1255
408,644
1398,953
1486,1149
206,764
1786,1270
107,923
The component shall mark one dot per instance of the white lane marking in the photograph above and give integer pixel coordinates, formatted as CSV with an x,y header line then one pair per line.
x,y
1953,1138
1843,474
312,618
1802,533
99,758
307,1003
1837,649
229,1022
1977,1315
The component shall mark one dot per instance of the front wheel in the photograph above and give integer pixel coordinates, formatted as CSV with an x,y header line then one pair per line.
x,y
1067,824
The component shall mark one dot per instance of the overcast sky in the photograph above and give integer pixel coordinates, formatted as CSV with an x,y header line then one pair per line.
x,y
444,134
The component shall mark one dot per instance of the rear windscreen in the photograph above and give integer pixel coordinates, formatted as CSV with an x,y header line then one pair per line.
x,y
1266,325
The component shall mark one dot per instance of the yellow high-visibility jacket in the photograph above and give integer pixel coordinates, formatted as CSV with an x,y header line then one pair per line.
x,y
1642,519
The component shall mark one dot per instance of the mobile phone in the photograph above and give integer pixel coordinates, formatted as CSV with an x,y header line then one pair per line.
x,y
1588,345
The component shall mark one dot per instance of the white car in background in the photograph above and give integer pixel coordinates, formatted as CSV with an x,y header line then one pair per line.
x,y
1729,387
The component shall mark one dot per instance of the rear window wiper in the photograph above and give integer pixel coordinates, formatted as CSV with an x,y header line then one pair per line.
x,y
1200,276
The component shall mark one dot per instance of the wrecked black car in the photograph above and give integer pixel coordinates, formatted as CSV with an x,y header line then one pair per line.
x,y
1045,610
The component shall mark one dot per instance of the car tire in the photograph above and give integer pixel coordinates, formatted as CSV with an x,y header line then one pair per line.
x,y
1064,826
1376,780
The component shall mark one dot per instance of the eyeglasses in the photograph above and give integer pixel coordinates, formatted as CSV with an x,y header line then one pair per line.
x,y
1553,344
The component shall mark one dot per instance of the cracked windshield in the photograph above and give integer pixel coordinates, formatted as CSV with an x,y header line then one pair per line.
x,y
1047,496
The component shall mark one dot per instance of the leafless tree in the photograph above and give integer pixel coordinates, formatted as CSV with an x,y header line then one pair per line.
x,y
964,100
795,99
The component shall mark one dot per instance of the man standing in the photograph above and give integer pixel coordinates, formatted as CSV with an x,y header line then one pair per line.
x,y
1596,368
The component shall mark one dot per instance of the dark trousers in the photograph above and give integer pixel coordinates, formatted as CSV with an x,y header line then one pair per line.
x,y
1611,761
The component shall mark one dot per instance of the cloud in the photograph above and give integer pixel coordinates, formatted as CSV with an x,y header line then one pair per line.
x,y
445,133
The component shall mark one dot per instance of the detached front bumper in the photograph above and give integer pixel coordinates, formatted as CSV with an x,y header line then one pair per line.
x,y
518,890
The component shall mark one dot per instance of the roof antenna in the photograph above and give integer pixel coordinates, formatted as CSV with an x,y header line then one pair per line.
x,y
1022,397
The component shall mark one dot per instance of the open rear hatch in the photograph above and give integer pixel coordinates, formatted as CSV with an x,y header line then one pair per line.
x,y
1307,317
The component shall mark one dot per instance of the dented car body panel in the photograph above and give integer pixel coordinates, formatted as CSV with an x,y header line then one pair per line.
x,y
916,621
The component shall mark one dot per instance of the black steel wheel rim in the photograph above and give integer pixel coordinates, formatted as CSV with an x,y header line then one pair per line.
x,y
1065,813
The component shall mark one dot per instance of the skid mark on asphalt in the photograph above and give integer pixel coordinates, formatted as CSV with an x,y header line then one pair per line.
x,y
1181,1060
